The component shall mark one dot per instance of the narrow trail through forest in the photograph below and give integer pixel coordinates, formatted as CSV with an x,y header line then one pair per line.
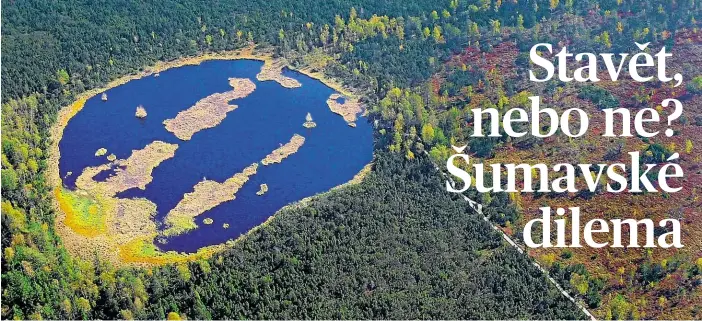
x,y
478,208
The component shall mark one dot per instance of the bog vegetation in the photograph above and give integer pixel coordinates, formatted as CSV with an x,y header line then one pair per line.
x,y
397,245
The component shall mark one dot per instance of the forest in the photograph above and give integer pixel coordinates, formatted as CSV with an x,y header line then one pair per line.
x,y
395,246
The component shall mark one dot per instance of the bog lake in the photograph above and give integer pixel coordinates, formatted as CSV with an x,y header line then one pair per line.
x,y
332,154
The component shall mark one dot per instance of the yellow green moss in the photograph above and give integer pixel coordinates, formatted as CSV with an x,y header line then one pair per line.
x,y
142,250
179,225
84,214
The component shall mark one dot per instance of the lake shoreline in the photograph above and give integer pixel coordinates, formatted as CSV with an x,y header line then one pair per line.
x,y
73,240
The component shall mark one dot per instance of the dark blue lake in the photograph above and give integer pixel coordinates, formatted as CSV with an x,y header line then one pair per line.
x,y
332,153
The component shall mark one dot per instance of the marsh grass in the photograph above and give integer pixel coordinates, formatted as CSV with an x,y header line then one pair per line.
x,y
349,109
262,190
84,214
83,220
143,251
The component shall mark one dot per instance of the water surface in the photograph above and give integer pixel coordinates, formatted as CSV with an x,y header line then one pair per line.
x,y
332,154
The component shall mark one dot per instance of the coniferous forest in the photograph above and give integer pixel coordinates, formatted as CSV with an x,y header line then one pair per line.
x,y
395,246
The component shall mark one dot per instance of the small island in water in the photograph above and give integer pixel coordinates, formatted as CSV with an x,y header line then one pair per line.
x,y
263,190
309,123
208,152
140,112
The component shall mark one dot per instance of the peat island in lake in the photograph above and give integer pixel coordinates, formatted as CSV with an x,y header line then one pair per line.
x,y
198,156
